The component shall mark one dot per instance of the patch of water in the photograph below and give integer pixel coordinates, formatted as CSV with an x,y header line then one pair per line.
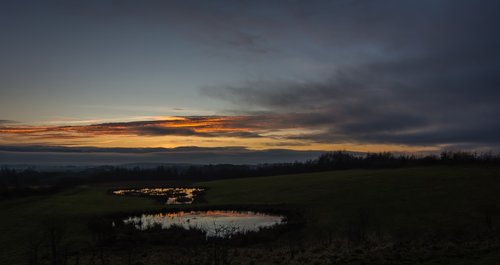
x,y
172,195
215,223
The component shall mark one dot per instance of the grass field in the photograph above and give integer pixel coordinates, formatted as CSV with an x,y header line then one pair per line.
x,y
398,198
23,219
412,199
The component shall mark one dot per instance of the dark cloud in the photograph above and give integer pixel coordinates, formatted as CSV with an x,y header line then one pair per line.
x,y
159,131
435,82
162,131
47,155
91,149
398,71
202,126
376,104
231,24
6,121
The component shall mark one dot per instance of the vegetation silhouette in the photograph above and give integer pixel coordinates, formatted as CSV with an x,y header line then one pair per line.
x,y
15,183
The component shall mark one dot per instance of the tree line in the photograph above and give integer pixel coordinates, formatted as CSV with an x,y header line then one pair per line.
x,y
17,182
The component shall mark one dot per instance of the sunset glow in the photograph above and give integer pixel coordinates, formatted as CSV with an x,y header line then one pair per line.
x,y
280,77
261,132
253,132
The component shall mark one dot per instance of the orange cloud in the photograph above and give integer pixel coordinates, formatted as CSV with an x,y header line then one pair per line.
x,y
203,126
290,131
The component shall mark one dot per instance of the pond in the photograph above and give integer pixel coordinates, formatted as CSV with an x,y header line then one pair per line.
x,y
215,223
170,195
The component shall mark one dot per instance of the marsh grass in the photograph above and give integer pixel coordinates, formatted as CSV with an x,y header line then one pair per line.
x,y
426,213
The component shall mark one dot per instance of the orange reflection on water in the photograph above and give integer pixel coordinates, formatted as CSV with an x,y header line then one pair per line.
x,y
212,213
215,223
173,195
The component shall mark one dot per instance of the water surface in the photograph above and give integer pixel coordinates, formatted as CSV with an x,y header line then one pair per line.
x,y
171,195
215,223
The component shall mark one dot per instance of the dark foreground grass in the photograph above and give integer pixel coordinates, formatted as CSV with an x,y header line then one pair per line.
x,y
397,201
24,220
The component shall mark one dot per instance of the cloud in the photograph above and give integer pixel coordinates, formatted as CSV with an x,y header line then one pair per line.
x,y
429,76
6,122
91,149
227,24
55,155
402,102
392,72
250,126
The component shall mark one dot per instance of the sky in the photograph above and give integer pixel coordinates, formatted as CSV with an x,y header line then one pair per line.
x,y
256,76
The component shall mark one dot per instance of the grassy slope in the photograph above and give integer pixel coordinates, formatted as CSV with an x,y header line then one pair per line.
x,y
400,198
416,198
22,218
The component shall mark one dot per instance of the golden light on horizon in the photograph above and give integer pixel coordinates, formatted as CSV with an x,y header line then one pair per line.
x,y
250,132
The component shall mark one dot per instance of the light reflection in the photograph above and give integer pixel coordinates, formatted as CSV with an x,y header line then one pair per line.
x,y
173,195
215,223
